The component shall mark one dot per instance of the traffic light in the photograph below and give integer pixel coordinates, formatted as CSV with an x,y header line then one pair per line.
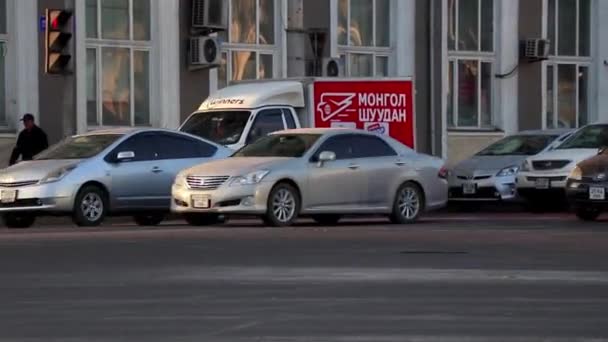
x,y
58,36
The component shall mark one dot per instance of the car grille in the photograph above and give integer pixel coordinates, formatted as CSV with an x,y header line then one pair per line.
x,y
18,184
543,165
206,183
474,178
551,179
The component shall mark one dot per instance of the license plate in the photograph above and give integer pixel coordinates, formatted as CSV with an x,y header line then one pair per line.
x,y
469,188
597,194
543,183
8,196
201,201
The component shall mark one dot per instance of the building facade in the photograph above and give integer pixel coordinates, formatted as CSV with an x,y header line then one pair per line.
x,y
130,62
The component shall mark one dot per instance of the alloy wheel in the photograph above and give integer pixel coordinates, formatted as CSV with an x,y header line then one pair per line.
x,y
284,205
92,207
409,203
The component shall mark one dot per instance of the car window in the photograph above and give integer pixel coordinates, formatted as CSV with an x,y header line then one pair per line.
x,y
79,147
221,127
279,145
595,136
370,146
524,145
266,122
291,124
340,145
144,145
174,146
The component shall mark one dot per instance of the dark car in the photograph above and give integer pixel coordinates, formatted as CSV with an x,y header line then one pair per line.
x,y
587,186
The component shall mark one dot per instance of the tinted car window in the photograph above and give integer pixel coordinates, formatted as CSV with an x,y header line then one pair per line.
x,y
589,137
279,145
223,128
80,147
291,124
369,147
179,147
341,145
525,145
144,145
266,122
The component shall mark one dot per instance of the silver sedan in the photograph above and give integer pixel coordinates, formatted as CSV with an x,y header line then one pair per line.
x,y
123,171
323,173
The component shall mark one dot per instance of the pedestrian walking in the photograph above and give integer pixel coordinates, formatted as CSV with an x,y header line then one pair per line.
x,y
32,140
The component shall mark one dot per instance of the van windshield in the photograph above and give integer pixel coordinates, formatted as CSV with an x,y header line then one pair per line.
x,y
221,127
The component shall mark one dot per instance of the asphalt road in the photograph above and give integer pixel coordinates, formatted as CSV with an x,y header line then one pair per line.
x,y
498,277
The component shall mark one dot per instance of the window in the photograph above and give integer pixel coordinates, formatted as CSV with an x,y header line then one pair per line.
x,y
249,46
266,122
567,71
80,147
223,128
144,145
118,62
3,42
364,36
283,145
177,147
340,145
595,136
518,145
291,124
371,147
470,63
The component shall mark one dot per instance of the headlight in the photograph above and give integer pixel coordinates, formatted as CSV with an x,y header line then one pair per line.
x,y
180,180
526,166
250,178
508,171
576,174
57,175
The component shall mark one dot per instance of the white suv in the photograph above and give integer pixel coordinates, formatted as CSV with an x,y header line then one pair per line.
x,y
544,176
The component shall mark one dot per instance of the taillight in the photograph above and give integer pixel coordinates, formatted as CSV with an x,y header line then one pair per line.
x,y
443,173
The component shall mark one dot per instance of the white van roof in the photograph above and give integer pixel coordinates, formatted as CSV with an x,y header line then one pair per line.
x,y
252,95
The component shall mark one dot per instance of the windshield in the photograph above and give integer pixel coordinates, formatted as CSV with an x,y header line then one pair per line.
x,y
283,145
224,128
80,147
524,145
588,137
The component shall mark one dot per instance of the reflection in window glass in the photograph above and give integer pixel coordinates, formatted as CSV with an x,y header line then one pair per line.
x,y
114,19
342,21
584,27
450,95
141,19
266,22
567,24
381,66
361,65
243,65
583,101
243,25
361,27
468,30
486,94
487,25
383,23
222,72
265,68
116,86
451,24
91,18
566,78
468,104
92,87
550,97
141,91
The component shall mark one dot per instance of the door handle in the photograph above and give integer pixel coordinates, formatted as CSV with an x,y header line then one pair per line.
x,y
400,163
156,170
353,166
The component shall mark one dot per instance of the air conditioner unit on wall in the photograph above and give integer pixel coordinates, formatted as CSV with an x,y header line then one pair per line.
x,y
535,49
204,52
332,67
209,15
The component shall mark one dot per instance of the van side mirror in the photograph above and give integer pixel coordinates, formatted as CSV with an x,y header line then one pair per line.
x,y
124,156
326,156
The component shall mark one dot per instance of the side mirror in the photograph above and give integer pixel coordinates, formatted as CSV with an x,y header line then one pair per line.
x,y
326,156
602,150
126,155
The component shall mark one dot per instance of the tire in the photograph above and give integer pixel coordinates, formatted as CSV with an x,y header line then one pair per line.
x,y
283,206
327,220
18,221
588,214
90,207
408,204
201,220
148,220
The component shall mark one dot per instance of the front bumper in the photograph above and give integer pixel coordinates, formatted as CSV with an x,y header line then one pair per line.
x,y
578,193
529,183
44,198
493,188
238,200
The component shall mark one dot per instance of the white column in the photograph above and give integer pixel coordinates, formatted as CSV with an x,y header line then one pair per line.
x,y
404,37
333,28
507,53
601,60
166,27
24,35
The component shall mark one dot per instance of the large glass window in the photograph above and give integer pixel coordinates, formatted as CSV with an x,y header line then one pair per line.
x,y
471,63
118,65
567,71
364,36
249,47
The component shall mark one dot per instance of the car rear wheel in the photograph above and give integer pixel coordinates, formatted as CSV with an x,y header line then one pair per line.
x,y
327,220
18,221
200,220
149,219
283,206
91,207
588,214
408,205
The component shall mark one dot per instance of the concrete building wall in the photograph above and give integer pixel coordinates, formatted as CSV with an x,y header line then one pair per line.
x,y
530,74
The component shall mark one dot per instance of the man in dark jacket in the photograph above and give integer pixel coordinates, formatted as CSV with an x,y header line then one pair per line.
x,y
32,140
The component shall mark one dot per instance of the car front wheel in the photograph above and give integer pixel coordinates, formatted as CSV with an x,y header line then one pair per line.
x,y
408,205
91,207
283,206
18,221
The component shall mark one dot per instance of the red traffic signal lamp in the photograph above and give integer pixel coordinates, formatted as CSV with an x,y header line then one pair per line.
x,y
58,35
